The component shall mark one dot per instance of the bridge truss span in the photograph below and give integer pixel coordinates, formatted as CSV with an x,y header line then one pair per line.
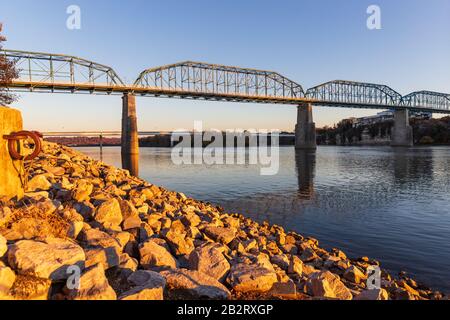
x,y
47,71
219,82
419,100
355,94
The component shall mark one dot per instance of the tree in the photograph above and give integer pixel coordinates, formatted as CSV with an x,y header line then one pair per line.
x,y
8,73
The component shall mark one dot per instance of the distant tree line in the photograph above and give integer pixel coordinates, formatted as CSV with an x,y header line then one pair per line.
x,y
433,131
425,131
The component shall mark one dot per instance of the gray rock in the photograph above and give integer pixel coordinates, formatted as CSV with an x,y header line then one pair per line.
x,y
48,259
127,209
141,293
153,255
93,286
354,274
190,284
144,277
375,294
179,244
308,255
325,284
3,246
295,266
56,171
7,278
280,260
209,260
250,278
30,288
131,223
286,290
191,220
107,257
127,264
82,190
219,234
5,215
39,183
96,238
109,213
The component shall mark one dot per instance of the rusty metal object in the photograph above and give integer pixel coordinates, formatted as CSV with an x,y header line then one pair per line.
x,y
14,137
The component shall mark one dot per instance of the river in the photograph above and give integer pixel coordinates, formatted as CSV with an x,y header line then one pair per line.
x,y
389,204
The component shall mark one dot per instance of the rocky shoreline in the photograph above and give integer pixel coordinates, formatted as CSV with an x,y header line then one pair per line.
x,y
89,231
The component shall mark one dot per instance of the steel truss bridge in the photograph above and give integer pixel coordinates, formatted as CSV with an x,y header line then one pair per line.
x,y
45,72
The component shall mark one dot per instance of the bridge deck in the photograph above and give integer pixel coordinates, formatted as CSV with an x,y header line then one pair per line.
x,y
63,87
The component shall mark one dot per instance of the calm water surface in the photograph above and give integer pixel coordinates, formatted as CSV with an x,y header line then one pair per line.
x,y
391,205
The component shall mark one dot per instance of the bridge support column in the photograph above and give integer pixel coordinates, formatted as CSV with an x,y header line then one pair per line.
x,y
305,130
402,133
130,141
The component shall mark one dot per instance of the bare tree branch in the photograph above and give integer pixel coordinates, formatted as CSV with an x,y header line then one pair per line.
x,y
8,73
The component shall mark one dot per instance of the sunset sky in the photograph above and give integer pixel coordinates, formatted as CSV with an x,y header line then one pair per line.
x,y
310,42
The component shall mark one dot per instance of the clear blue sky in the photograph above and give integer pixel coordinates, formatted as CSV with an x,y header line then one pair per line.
x,y
308,41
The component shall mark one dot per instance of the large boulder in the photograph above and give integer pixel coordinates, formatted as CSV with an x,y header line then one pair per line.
x,y
127,209
280,260
56,171
295,265
109,213
309,255
152,255
284,290
209,260
325,284
144,277
190,284
373,294
219,234
130,215
145,292
5,215
107,257
48,259
149,285
251,278
7,278
354,274
191,220
93,286
30,288
96,238
179,243
38,183
82,190
127,264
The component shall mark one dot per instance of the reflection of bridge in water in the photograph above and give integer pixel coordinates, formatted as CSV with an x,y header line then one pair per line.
x,y
44,72
305,163
403,169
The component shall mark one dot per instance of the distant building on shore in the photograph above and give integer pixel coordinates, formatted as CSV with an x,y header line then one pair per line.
x,y
384,116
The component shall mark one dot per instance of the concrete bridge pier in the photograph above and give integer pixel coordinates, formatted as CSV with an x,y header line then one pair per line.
x,y
130,141
305,130
402,133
